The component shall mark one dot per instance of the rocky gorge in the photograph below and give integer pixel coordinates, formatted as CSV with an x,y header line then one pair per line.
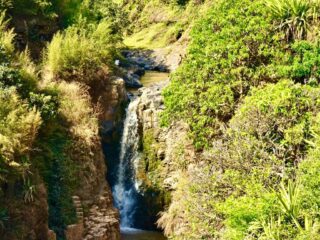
x,y
153,173
97,217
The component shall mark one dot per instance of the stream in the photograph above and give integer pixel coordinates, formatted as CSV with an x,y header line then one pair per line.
x,y
136,234
127,198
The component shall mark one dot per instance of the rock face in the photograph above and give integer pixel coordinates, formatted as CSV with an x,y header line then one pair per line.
x,y
101,220
167,153
162,59
168,160
169,145
92,200
111,100
30,217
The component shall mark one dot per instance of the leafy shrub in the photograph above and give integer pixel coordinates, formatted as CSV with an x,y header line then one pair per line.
x,y
232,49
106,10
304,63
230,196
47,105
11,77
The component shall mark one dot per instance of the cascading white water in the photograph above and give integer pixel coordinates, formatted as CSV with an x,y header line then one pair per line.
x,y
124,191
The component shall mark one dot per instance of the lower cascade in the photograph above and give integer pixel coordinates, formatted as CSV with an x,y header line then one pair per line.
x,y
137,202
125,191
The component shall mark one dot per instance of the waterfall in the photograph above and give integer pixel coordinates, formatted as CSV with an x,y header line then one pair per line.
x,y
124,191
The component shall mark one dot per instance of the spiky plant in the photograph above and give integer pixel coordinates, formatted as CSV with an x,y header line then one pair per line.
x,y
29,191
290,202
294,17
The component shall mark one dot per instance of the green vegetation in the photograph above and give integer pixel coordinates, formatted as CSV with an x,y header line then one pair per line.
x,y
249,90
80,54
294,17
48,121
158,23
216,75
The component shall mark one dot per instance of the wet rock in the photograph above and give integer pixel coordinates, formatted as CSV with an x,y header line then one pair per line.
x,y
139,71
132,81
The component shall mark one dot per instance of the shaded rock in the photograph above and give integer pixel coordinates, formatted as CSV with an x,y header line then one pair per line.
x,y
74,232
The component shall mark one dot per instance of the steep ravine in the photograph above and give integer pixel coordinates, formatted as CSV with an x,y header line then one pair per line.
x,y
97,217
138,146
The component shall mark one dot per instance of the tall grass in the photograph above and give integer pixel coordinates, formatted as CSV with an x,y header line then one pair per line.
x,y
6,36
290,201
78,54
18,129
75,106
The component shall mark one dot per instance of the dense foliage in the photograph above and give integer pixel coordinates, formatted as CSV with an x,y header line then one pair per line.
x,y
48,122
249,90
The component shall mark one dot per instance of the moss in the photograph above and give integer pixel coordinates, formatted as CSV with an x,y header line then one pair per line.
x,y
59,173
150,163
150,173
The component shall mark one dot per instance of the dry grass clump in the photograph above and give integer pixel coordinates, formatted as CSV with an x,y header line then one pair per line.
x,y
77,109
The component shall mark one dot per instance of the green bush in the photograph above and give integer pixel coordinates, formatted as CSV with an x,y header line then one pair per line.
x,y
304,63
264,143
80,53
232,49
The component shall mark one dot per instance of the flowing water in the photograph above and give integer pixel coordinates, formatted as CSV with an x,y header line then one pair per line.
x,y
125,190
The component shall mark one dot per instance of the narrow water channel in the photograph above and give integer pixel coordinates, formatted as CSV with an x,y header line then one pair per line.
x,y
136,234
133,212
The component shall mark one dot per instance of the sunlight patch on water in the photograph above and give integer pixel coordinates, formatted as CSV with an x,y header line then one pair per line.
x,y
151,77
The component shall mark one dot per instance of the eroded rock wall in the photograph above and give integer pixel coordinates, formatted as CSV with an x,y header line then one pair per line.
x,y
101,219
27,216
167,152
